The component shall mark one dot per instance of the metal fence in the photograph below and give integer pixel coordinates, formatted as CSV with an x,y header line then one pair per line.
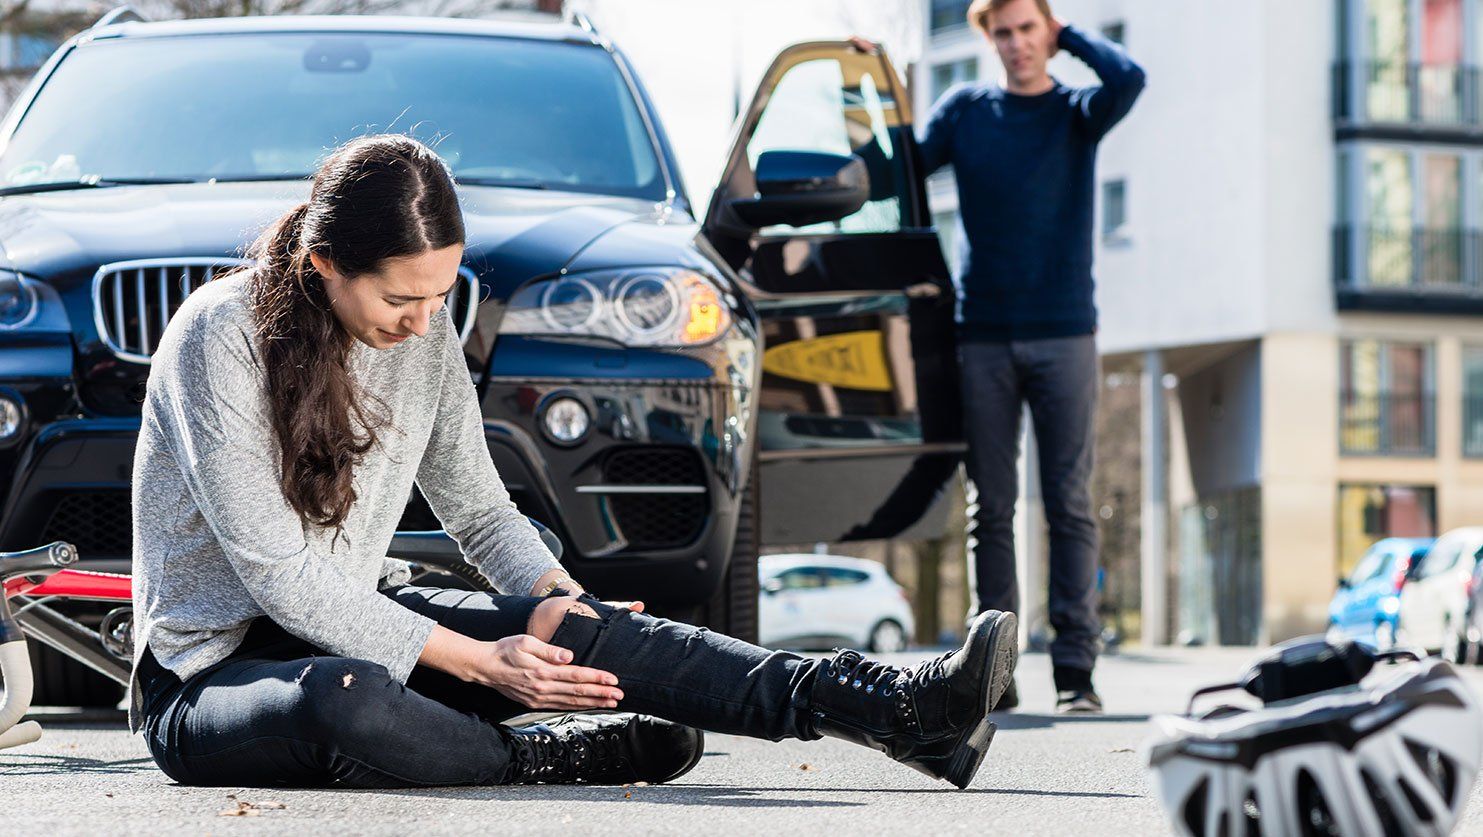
x,y
1421,259
1387,423
1392,92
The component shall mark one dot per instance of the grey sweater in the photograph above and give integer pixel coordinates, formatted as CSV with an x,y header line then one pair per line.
x,y
215,542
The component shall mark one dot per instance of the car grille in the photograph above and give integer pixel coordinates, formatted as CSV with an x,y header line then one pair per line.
x,y
134,300
418,516
98,523
657,521
101,523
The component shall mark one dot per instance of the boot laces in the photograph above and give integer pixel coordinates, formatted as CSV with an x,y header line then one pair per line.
x,y
568,755
875,678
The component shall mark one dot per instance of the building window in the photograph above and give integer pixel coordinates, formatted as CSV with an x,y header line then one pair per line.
x,y
1403,219
1440,74
1114,211
1387,89
1385,398
1408,62
949,15
950,73
1115,32
1368,513
1220,569
1472,401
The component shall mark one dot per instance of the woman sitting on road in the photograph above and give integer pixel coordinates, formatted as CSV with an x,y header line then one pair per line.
x,y
290,408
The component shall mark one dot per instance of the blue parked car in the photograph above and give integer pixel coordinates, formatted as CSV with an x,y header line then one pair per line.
x,y
1366,606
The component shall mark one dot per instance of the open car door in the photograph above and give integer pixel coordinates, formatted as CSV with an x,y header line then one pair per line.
x,y
822,210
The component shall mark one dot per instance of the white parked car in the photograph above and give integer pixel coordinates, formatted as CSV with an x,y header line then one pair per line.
x,y
1434,600
820,601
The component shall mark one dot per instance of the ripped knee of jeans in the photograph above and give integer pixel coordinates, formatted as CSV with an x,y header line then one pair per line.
x,y
548,617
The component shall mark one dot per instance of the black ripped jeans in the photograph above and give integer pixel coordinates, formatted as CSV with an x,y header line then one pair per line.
x,y
280,711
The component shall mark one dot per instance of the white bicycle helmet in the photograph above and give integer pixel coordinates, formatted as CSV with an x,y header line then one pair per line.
x,y
1325,755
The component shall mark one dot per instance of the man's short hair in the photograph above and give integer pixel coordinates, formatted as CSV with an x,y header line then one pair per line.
x,y
979,11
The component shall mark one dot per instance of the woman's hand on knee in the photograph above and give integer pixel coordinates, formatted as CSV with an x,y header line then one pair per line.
x,y
539,675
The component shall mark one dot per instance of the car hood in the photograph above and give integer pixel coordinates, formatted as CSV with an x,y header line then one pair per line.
x,y
512,234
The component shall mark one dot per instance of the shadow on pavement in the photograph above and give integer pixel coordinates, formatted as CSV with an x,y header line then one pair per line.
x,y
24,764
721,795
1030,720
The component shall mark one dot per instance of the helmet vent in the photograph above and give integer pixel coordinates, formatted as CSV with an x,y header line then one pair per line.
x,y
1390,824
1437,767
1252,814
1315,819
1414,798
1195,805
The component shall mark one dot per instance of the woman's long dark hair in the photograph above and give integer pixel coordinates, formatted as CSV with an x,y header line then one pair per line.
x,y
374,198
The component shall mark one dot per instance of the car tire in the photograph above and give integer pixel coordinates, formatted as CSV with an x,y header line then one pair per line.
x,y
60,680
457,575
732,610
1454,644
1384,636
887,637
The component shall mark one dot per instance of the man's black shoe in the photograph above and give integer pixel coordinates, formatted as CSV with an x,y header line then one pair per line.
x,y
932,717
1075,694
1078,703
1010,699
603,750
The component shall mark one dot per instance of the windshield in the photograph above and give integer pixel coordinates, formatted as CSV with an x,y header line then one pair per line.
x,y
268,106
1377,562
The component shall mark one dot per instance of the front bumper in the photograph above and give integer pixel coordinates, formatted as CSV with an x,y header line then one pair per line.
x,y
72,483
647,502
646,505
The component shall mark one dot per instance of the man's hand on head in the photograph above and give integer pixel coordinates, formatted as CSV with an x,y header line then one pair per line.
x,y
1054,28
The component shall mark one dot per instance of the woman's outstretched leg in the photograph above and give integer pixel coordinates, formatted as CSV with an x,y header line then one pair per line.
x,y
932,717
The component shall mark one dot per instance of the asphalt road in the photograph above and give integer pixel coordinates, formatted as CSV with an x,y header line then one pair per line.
x,y
1044,775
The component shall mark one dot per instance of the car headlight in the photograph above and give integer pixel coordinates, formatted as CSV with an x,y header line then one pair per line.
x,y
28,304
19,301
644,306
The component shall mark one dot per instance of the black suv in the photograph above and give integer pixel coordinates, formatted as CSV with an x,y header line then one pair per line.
x,y
644,369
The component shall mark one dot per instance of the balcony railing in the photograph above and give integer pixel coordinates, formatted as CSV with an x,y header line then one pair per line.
x,y
1387,423
1423,261
1390,93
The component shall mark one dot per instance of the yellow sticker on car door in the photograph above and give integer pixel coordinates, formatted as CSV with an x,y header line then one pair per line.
x,y
854,360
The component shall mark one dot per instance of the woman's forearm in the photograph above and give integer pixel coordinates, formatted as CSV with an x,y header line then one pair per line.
x,y
567,582
450,651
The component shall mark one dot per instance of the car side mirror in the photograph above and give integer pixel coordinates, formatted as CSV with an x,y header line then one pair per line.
x,y
804,187
772,586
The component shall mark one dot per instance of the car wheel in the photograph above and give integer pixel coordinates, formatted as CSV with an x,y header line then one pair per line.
x,y
1454,644
887,637
732,610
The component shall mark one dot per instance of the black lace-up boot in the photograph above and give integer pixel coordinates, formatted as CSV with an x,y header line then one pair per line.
x,y
932,717
602,750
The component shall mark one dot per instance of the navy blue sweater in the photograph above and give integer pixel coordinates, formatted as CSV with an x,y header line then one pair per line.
x,y
1025,167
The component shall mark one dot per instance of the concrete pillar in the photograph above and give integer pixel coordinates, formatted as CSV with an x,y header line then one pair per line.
x,y
1029,537
1154,566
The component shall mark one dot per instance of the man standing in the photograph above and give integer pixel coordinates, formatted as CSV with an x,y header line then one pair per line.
x,y
1024,156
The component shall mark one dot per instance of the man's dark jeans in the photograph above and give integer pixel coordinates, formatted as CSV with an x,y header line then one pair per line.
x,y
1058,378
280,711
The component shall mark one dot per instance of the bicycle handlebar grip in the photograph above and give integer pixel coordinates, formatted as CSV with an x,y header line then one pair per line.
x,y
15,667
